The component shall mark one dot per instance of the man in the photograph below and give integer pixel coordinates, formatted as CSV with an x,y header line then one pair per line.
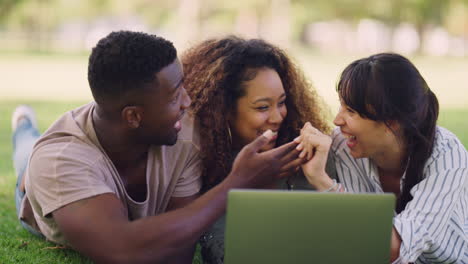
x,y
118,179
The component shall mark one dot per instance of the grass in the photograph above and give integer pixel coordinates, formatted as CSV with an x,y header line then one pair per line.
x,y
18,246
456,121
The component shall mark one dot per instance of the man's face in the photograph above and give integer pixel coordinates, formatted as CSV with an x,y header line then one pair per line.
x,y
164,106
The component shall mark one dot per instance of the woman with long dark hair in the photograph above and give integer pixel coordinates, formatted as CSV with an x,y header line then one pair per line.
x,y
387,140
239,89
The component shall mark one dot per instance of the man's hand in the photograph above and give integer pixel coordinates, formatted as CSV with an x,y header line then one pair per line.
x,y
253,169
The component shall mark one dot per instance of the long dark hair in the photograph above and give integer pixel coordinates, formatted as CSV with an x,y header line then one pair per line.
x,y
387,87
215,72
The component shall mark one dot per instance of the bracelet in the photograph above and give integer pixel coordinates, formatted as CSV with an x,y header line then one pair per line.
x,y
332,188
341,188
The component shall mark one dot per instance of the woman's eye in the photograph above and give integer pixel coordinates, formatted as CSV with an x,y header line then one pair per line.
x,y
262,108
282,103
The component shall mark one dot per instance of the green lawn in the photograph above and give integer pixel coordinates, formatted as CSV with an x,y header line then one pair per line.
x,y
18,246
456,120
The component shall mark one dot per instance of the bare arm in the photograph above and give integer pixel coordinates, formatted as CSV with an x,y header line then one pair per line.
x,y
99,228
186,255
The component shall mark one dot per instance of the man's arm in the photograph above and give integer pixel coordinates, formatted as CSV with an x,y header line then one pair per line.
x,y
185,255
99,227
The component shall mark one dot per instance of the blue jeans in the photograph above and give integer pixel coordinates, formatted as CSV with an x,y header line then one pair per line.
x,y
24,138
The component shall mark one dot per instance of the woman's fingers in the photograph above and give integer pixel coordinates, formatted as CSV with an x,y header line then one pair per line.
x,y
303,154
298,139
308,141
309,155
300,146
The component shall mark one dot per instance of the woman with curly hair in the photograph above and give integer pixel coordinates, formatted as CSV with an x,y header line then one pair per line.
x,y
239,89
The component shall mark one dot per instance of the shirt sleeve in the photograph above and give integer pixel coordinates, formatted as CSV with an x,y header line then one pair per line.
x,y
60,174
430,223
399,261
189,183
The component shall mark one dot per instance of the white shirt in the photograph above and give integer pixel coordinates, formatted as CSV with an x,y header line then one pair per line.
x,y
434,225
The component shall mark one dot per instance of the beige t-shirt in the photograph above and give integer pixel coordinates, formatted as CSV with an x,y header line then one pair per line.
x,y
68,164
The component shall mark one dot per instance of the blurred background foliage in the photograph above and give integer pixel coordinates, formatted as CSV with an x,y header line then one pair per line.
x,y
75,25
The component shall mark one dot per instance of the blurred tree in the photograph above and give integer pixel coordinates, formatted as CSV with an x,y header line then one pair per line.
x,y
422,13
36,20
309,11
187,21
188,15
249,16
389,12
156,13
7,7
456,20
279,22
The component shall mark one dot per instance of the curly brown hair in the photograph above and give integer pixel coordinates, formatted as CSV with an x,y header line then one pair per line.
x,y
215,71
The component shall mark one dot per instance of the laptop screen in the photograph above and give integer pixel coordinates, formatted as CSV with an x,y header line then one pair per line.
x,y
273,226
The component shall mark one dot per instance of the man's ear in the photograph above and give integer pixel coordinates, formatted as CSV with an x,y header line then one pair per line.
x,y
132,116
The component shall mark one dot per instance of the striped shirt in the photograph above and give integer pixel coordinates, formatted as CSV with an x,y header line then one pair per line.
x,y
434,225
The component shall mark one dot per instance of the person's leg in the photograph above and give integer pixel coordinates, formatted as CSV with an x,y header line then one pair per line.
x,y
25,135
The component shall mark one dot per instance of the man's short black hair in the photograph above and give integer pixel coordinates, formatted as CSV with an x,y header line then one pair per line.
x,y
124,61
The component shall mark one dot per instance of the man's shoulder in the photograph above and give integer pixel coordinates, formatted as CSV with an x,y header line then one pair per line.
x,y
71,123
67,141
68,130
66,148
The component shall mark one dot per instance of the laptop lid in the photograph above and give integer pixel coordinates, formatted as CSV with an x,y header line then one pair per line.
x,y
273,226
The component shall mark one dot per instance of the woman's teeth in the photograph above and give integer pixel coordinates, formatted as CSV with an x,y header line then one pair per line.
x,y
274,133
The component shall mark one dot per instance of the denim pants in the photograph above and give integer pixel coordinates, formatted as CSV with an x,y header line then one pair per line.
x,y
24,138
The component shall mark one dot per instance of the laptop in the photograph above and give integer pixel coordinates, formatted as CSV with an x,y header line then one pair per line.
x,y
273,226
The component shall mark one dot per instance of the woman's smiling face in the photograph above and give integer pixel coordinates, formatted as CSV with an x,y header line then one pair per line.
x,y
261,108
365,137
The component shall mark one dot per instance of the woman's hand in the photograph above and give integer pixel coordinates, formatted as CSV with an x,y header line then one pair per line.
x,y
314,147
